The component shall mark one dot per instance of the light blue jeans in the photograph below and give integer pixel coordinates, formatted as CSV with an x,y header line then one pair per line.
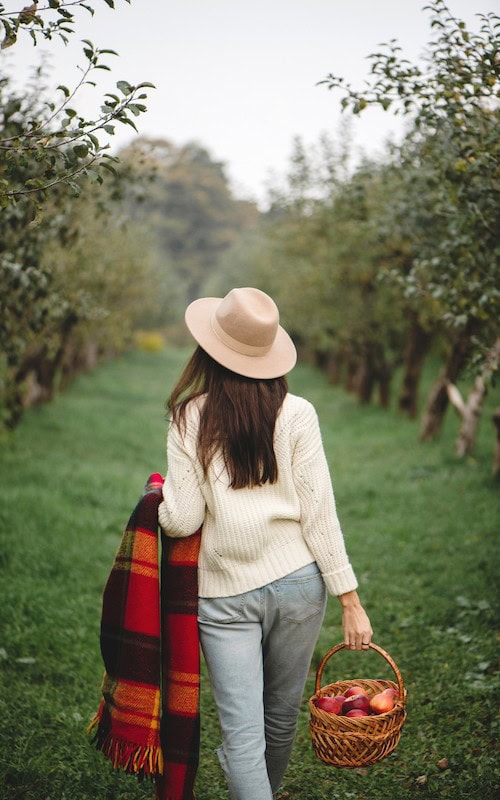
x,y
258,647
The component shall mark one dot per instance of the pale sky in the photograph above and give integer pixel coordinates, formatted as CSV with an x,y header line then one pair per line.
x,y
239,76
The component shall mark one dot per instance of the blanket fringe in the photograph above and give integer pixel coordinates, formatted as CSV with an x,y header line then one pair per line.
x,y
136,759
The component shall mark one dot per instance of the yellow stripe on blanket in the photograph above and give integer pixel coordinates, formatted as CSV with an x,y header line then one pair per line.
x,y
182,699
189,678
137,697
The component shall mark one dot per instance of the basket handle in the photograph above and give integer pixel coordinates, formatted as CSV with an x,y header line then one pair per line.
x,y
376,647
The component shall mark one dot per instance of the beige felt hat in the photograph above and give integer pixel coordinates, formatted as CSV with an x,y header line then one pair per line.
x,y
241,331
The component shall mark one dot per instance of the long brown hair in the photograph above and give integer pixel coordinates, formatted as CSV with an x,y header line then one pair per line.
x,y
237,418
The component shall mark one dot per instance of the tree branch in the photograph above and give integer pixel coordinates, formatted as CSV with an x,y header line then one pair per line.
x,y
60,179
456,398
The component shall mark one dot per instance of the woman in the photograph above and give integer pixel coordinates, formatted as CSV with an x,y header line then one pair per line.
x,y
246,461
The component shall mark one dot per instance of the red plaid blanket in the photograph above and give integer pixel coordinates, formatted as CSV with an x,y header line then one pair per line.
x,y
148,720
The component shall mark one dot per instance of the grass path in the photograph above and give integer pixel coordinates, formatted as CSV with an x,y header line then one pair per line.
x,y
420,529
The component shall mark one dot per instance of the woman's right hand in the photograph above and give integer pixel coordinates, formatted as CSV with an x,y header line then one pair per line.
x,y
355,623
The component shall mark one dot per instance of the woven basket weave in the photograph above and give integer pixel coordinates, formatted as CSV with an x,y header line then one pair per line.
x,y
351,742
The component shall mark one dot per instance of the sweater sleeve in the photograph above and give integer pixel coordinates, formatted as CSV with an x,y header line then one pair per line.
x,y
183,508
320,525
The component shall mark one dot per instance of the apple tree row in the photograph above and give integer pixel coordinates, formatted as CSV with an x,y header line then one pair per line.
x,y
50,154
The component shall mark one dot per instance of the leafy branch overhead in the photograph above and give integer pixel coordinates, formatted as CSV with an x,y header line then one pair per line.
x,y
46,20
460,73
54,143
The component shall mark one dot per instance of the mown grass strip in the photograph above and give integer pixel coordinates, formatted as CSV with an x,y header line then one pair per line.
x,y
420,528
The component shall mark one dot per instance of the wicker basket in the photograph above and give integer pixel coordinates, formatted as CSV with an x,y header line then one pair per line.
x,y
351,742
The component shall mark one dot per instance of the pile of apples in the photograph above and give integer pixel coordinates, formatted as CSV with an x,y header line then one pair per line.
x,y
356,702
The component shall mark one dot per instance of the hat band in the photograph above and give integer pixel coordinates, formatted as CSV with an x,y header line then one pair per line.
x,y
234,344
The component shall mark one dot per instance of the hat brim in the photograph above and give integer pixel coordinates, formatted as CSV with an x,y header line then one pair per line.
x,y
280,359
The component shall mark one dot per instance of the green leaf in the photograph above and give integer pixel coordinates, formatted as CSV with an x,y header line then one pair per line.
x,y
64,89
108,167
127,121
134,108
93,175
110,3
81,150
125,87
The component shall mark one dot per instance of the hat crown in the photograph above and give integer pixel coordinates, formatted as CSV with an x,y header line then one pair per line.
x,y
247,320
241,331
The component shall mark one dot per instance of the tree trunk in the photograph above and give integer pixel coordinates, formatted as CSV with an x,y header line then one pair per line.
x,y
365,378
41,365
333,367
384,385
69,363
437,402
304,353
496,454
351,372
470,411
45,374
417,347
320,358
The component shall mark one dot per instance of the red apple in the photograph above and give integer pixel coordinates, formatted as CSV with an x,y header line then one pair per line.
x,y
356,701
331,704
381,703
394,693
355,690
357,712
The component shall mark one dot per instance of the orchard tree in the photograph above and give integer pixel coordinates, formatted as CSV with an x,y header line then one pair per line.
x,y
452,100
49,152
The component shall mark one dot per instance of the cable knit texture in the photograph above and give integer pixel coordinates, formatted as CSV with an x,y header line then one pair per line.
x,y
253,536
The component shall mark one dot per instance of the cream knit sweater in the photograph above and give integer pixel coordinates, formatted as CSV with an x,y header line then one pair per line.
x,y
253,536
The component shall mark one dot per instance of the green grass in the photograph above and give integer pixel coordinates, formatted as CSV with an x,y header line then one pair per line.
x,y
420,529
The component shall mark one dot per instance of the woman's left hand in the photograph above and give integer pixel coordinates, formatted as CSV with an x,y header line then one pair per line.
x,y
355,623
